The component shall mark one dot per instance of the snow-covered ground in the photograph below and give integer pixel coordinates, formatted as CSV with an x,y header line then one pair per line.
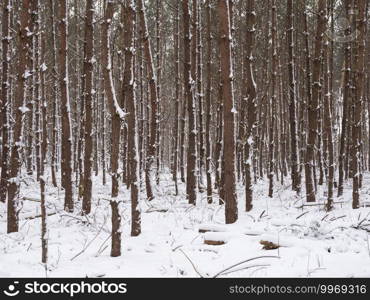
x,y
312,242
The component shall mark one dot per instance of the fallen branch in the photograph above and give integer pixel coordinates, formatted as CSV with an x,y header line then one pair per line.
x,y
301,215
214,243
39,216
269,245
318,204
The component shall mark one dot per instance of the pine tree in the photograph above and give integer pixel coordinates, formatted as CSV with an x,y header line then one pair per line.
x,y
229,182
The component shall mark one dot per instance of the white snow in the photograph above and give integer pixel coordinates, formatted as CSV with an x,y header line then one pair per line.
x,y
313,243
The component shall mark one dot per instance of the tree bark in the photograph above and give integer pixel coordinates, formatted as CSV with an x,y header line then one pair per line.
x,y
133,155
359,67
231,208
189,68
153,101
88,67
250,102
5,101
292,96
313,104
20,109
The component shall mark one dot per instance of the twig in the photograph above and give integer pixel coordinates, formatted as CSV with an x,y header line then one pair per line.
x,y
242,262
87,246
301,215
194,267
244,268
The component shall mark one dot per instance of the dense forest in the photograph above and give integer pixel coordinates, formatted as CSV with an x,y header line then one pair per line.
x,y
204,101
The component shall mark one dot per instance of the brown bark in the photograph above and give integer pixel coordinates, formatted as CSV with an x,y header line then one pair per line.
x,y
359,68
53,164
66,141
313,104
251,102
5,101
229,182
176,36
272,131
189,71
116,229
208,103
133,155
327,119
88,70
19,105
292,96
151,151
43,158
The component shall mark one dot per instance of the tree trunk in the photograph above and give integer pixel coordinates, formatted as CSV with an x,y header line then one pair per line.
x,y
88,67
133,155
65,108
274,66
153,101
208,103
292,96
251,103
313,104
231,208
5,101
359,67
189,70
19,103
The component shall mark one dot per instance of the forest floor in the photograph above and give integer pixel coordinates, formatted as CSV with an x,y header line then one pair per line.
x,y
309,241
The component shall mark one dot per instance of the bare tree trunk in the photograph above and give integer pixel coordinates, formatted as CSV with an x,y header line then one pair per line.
x,y
88,67
327,119
43,159
208,103
133,155
189,68
201,133
5,101
53,164
65,108
274,66
19,103
113,103
153,101
231,208
313,105
292,96
251,102
176,37
116,229
359,67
